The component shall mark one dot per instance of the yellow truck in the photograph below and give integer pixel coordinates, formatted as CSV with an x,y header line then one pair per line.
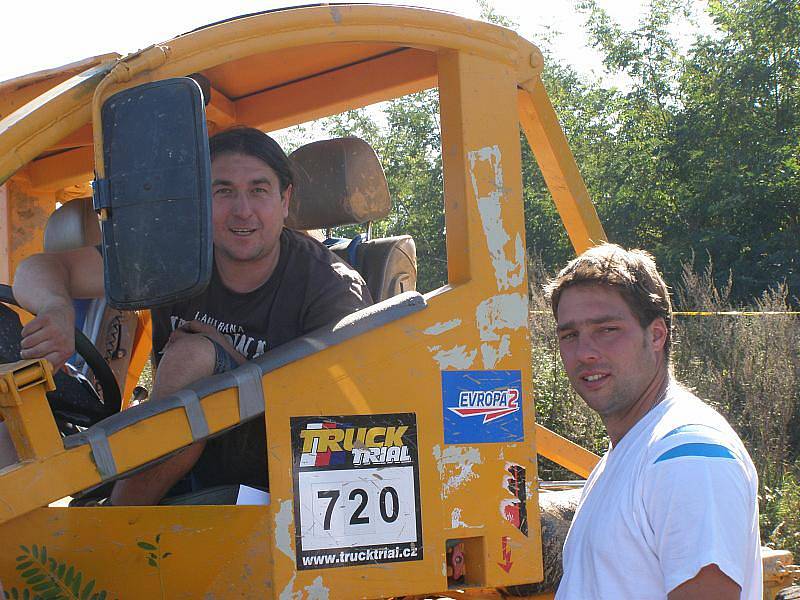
x,y
385,479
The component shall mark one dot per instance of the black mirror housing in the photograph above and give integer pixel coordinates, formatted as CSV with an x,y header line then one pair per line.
x,y
155,199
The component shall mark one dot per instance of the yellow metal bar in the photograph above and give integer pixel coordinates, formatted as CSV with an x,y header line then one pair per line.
x,y
343,89
47,119
55,472
24,218
25,410
455,180
144,61
61,170
564,452
220,111
142,345
549,146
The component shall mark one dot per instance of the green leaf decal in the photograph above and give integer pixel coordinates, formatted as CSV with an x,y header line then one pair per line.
x,y
151,562
76,585
166,554
87,590
146,546
47,579
158,538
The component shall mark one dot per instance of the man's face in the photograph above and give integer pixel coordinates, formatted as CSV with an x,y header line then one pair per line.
x,y
609,357
248,208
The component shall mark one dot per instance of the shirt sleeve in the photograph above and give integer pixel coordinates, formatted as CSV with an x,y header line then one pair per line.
x,y
700,504
338,293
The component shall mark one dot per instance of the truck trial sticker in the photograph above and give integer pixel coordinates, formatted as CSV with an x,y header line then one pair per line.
x,y
482,406
356,490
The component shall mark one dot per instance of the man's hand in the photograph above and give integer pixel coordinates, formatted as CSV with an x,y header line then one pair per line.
x,y
193,327
51,335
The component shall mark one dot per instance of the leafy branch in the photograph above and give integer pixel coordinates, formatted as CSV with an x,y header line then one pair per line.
x,y
49,579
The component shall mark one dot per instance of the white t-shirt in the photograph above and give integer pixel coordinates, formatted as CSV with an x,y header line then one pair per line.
x,y
677,493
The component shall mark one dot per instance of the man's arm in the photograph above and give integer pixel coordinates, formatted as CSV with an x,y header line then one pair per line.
x,y
699,495
45,285
709,584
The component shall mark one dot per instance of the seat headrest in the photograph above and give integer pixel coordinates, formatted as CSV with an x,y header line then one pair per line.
x,y
337,182
72,225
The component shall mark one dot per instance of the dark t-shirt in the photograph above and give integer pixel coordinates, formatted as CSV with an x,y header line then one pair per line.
x,y
309,288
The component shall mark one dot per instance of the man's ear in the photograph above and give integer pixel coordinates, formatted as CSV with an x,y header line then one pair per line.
x,y
658,333
286,197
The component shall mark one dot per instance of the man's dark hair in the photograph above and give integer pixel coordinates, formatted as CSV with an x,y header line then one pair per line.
x,y
632,273
255,143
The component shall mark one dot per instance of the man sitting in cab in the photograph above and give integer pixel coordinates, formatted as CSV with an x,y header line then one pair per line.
x,y
269,285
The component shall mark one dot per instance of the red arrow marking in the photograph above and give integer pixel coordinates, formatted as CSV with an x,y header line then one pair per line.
x,y
489,414
506,564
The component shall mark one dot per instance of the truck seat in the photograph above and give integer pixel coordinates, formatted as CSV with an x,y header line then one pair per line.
x,y
341,182
74,225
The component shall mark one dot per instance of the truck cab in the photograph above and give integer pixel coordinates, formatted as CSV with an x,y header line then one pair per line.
x,y
402,441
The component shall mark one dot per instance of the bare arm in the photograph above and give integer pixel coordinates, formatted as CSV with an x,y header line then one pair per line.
x,y
709,584
45,285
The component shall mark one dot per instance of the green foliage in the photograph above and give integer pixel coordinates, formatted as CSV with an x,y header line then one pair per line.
x,y
47,578
702,149
153,552
780,513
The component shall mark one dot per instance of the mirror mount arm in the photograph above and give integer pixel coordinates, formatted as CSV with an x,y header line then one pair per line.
x,y
125,70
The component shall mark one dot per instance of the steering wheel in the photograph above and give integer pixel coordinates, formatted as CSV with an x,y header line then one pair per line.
x,y
93,409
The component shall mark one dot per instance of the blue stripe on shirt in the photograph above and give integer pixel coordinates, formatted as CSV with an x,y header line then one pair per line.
x,y
691,429
696,449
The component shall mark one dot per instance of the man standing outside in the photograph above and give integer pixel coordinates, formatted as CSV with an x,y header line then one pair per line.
x,y
269,285
671,510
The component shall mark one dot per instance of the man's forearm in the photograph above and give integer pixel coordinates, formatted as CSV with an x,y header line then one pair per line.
x,y
42,282
150,486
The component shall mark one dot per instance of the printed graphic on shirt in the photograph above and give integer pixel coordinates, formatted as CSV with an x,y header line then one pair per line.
x,y
482,406
248,346
356,490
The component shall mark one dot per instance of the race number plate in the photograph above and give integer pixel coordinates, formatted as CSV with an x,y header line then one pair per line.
x,y
356,490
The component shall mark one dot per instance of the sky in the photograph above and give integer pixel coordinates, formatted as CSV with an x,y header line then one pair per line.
x,y
42,34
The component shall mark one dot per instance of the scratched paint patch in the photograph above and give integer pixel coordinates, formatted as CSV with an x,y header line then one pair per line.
x,y
486,173
482,406
456,466
494,316
457,357
516,511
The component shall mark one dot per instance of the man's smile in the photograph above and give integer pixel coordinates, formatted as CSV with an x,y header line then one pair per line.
x,y
242,231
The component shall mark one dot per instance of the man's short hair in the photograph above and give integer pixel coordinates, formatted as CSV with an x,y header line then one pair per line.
x,y
632,273
255,143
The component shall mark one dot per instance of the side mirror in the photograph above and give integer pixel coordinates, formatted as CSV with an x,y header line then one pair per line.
x,y
155,199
